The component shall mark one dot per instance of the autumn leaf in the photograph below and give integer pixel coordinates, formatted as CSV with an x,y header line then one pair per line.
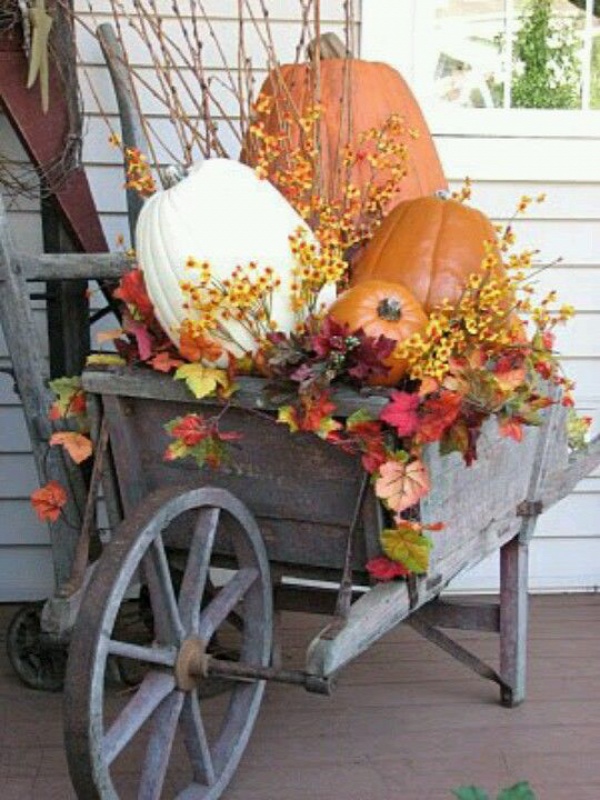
x,y
48,501
70,398
313,416
142,336
408,546
401,484
164,362
511,428
202,381
194,346
456,439
288,415
428,386
317,415
78,446
366,435
401,413
436,415
105,360
109,336
384,569
198,437
175,450
191,429
132,291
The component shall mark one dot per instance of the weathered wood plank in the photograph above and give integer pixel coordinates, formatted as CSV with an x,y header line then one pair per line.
x,y
17,322
302,490
141,383
68,266
560,483
386,605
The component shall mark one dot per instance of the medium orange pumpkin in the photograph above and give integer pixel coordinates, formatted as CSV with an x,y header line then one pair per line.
x,y
381,309
355,96
431,245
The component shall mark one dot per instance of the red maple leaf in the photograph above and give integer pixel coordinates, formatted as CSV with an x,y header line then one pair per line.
x,y
132,290
436,415
48,501
401,413
367,437
317,414
191,429
384,569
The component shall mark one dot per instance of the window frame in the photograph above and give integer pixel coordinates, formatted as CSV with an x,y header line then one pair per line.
x,y
391,31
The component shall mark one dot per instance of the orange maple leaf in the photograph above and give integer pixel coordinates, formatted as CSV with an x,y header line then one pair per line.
x,y
164,362
511,428
78,446
194,346
401,484
48,501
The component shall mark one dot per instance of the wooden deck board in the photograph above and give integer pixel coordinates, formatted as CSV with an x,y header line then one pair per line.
x,y
405,722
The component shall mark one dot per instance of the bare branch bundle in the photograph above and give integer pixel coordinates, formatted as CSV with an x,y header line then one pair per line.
x,y
183,69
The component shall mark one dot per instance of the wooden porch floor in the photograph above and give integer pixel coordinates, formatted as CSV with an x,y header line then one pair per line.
x,y
406,722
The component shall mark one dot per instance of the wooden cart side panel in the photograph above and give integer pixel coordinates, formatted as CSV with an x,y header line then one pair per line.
x,y
302,491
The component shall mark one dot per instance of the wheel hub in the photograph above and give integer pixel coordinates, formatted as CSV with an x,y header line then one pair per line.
x,y
192,664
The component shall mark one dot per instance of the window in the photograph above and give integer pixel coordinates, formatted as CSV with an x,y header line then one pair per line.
x,y
532,54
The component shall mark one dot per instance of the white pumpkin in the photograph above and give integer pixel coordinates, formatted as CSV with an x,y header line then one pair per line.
x,y
221,213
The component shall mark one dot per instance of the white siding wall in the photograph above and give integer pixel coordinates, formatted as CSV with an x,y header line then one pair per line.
x,y
25,556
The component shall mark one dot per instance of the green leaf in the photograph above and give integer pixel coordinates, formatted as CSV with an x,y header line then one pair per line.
x,y
407,546
358,418
520,791
64,388
470,793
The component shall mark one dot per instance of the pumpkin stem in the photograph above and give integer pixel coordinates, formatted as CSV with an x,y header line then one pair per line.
x,y
389,309
330,46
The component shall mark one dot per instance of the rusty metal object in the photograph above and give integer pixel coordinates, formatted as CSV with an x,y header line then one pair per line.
x,y
192,664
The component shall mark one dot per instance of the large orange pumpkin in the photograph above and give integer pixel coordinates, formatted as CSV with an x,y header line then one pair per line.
x,y
430,245
381,309
355,96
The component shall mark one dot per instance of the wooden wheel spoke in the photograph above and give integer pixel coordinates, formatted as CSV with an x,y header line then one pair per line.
x,y
149,655
196,741
226,600
158,750
151,693
168,628
196,570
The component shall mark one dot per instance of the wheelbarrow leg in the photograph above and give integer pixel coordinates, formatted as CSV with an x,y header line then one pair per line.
x,y
514,601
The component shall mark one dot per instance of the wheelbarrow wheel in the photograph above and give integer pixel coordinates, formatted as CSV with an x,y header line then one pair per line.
x,y
168,736
39,663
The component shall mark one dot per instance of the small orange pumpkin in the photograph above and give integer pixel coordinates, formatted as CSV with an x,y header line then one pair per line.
x,y
431,245
355,96
381,309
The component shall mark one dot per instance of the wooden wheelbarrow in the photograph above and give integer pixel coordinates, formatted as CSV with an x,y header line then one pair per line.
x,y
288,508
